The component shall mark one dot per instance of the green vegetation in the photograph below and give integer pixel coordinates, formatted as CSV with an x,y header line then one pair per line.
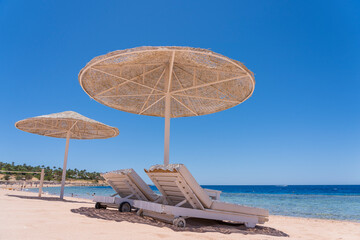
x,y
51,174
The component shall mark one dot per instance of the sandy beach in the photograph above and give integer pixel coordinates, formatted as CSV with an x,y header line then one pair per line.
x,y
25,216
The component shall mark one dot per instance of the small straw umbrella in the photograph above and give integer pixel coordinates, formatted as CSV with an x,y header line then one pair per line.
x,y
66,125
167,82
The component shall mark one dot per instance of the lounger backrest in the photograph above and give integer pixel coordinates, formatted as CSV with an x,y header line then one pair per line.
x,y
126,182
176,184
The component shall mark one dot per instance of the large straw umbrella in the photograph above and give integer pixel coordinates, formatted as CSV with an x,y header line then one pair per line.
x,y
167,82
66,125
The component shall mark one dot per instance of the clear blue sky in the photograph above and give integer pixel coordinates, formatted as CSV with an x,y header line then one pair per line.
x,y
301,126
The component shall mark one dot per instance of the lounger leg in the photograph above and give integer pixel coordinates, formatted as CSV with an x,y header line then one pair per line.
x,y
140,212
250,224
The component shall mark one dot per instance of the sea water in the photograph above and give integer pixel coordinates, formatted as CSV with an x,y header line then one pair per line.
x,y
341,202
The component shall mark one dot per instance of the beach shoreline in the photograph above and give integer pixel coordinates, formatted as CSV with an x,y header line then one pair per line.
x,y
30,217
19,185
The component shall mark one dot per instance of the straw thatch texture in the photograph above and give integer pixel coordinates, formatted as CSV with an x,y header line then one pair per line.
x,y
136,80
58,124
120,172
169,167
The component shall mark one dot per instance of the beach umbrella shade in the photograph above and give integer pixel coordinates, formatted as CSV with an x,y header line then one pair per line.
x,y
66,125
167,82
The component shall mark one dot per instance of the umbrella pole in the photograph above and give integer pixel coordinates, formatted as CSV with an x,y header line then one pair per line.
x,y
167,130
64,166
167,111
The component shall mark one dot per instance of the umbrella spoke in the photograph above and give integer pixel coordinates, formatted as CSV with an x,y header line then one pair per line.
x,y
185,106
78,130
50,126
112,88
183,88
151,94
134,95
54,133
171,67
213,99
196,78
126,80
152,104
32,128
201,68
208,84
74,132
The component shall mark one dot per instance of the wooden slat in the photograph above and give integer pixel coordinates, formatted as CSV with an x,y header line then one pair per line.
x,y
114,178
159,187
118,184
135,190
171,184
176,199
174,193
164,174
122,189
166,179
189,195
170,188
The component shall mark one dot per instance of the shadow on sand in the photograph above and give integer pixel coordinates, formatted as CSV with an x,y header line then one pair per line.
x,y
46,198
192,225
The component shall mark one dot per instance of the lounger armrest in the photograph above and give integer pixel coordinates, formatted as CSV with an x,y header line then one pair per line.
x,y
213,194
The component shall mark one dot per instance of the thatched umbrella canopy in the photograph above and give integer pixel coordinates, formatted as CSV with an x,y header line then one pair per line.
x,y
67,125
58,125
167,82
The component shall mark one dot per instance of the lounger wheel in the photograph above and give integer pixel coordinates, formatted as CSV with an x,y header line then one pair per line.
x,y
179,222
98,205
125,207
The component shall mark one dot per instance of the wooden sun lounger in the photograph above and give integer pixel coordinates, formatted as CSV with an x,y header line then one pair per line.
x,y
184,198
129,186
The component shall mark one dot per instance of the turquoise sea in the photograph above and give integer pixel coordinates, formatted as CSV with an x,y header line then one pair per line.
x,y
341,202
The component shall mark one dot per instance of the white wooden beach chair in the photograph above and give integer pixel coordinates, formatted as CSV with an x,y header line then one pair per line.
x,y
129,186
184,198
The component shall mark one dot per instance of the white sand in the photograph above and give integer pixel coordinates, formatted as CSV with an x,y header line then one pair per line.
x,y
24,216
